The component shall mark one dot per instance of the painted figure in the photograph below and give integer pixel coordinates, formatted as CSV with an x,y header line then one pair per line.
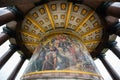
x,y
61,53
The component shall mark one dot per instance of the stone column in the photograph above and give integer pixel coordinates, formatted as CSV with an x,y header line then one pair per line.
x,y
114,9
115,28
17,68
112,72
8,32
6,16
114,48
11,13
13,48
104,7
4,3
3,37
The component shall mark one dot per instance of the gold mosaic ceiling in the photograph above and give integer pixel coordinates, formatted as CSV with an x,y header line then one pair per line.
x,y
61,17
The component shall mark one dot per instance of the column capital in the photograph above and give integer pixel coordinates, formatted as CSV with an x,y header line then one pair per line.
x,y
114,28
101,55
110,69
9,31
23,56
111,44
17,12
102,8
14,47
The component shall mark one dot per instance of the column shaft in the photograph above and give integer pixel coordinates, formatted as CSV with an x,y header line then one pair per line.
x,y
6,17
3,37
107,9
4,3
114,9
17,68
114,48
7,55
112,72
116,51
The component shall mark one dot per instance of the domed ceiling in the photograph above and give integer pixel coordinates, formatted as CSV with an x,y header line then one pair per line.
x,y
61,17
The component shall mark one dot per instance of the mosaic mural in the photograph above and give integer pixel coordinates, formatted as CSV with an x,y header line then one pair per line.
x,y
62,52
